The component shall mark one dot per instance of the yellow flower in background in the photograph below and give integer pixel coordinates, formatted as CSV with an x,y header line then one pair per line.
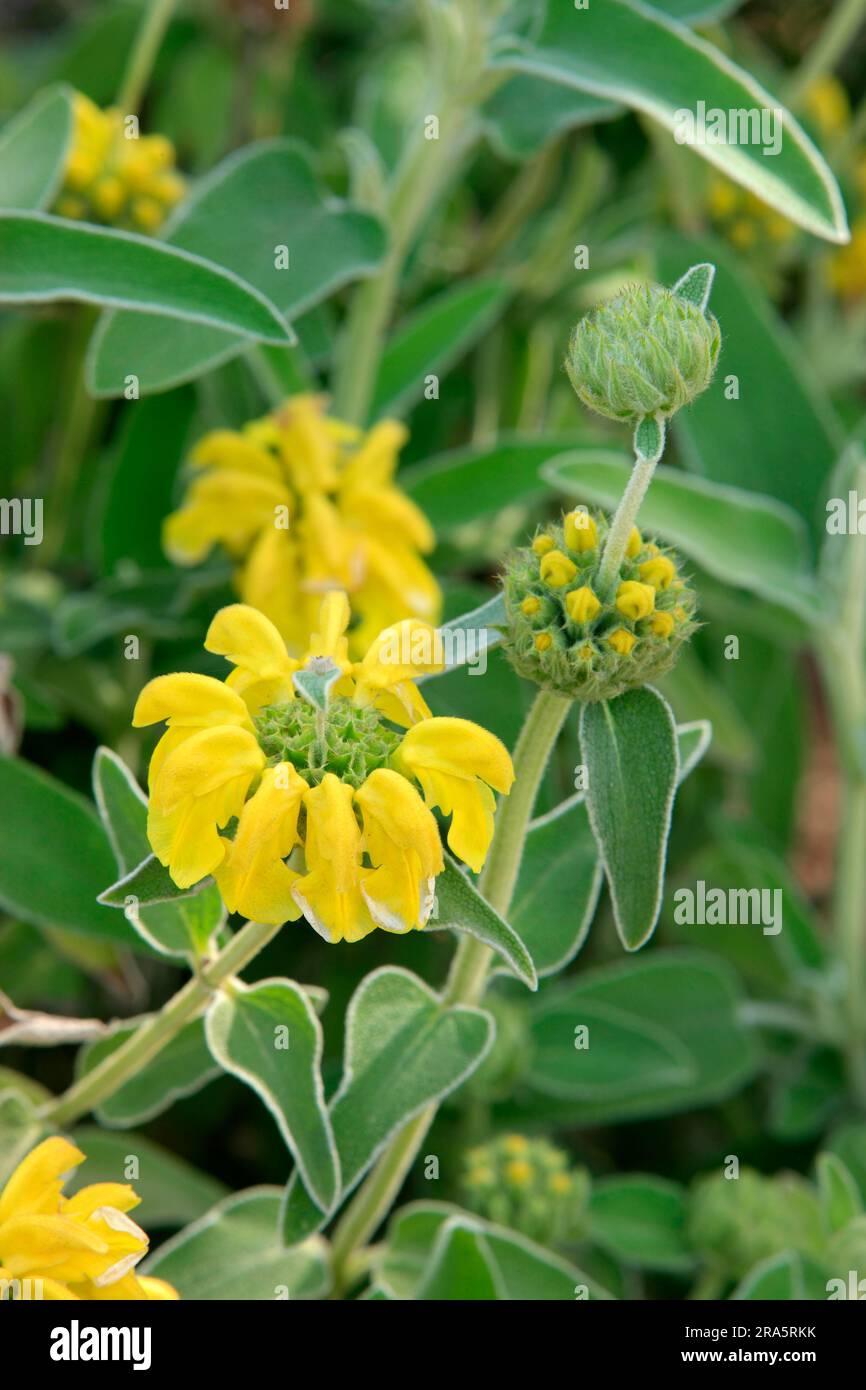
x,y
66,1248
332,798
306,504
120,179
846,267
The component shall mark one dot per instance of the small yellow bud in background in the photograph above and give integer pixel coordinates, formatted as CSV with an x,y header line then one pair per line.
x,y
543,642
622,641
634,543
530,605
582,605
557,569
680,613
543,544
659,571
515,1144
581,532
560,1183
147,213
108,196
586,652
662,624
70,205
518,1172
635,600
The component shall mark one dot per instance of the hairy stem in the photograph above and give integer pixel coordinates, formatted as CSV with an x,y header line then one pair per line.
x,y
150,35
623,521
155,1033
468,971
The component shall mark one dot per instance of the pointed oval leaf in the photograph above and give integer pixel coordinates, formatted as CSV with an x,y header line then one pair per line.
x,y
262,214
33,150
460,906
627,52
45,258
268,1035
180,1069
629,746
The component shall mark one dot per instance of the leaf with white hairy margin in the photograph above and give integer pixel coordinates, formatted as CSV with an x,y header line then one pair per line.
x,y
461,907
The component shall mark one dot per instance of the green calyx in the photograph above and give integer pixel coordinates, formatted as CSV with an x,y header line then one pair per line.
x,y
647,352
568,636
343,739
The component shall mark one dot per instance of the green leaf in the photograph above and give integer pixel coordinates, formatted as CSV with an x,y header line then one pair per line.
x,y
261,198
461,488
558,886
461,1265
461,907
180,929
752,542
404,1049
641,1221
33,149
663,1035
233,1254
268,1035
838,1193
418,1254
433,339
20,1128
140,489
172,1192
625,52
629,746
149,883
315,681
788,1277
527,113
54,857
182,1067
782,442
44,258
468,638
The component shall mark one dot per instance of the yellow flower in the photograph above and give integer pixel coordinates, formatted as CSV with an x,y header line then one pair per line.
x,y
828,104
530,605
634,543
846,268
68,1248
582,605
662,624
543,544
622,641
111,177
635,600
543,642
581,532
556,569
659,571
518,1172
306,504
332,800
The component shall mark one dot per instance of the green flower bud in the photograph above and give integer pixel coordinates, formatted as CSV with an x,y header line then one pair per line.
x,y
566,635
647,352
527,1185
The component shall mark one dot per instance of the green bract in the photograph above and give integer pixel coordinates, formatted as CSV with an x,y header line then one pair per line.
x,y
345,740
567,636
647,352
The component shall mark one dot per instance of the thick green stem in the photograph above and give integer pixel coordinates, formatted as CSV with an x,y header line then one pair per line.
x,y
623,521
155,1033
468,972
143,56
836,37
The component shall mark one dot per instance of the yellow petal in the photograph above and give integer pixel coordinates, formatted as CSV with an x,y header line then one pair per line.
x,y
228,449
206,762
471,805
253,879
402,841
189,700
460,748
330,638
271,581
36,1184
101,1194
329,895
403,652
248,639
156,1289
